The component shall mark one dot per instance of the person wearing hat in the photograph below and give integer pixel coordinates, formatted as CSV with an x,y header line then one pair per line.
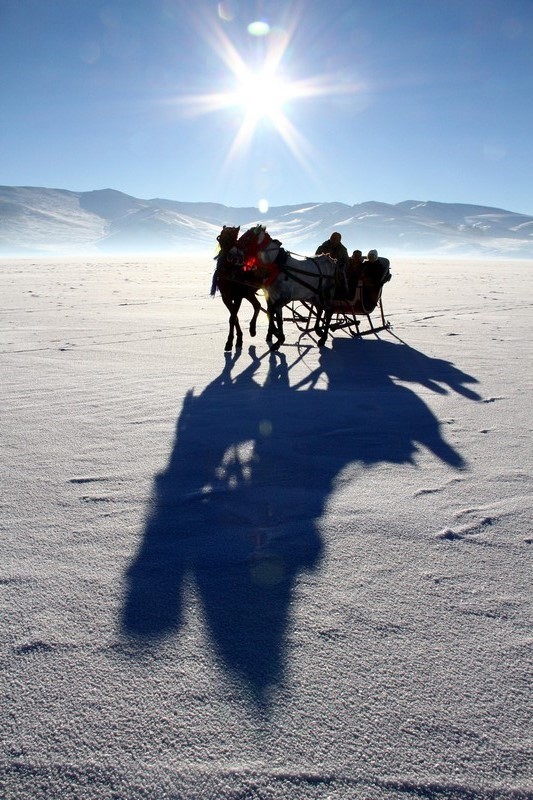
x,y
376,271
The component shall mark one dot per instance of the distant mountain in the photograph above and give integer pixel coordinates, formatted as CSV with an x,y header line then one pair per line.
x,y
44,221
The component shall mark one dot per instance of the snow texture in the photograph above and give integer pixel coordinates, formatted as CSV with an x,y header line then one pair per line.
x,y
297,575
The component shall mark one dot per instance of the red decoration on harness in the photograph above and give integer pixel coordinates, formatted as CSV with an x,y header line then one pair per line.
x,y
254,248
252,255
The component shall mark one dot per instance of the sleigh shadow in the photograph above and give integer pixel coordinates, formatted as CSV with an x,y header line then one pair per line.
x,y
238,507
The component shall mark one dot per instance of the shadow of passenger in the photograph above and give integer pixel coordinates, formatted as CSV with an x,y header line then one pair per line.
x,y
252,466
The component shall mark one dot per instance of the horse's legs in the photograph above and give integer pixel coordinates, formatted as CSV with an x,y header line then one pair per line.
x,y
229,340
270,331
276,321
328,313
236,306
271,325
257,308
319,310
234,327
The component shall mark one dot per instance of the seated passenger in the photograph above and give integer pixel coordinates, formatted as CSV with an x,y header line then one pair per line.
x,y
354,271
375,273
376,269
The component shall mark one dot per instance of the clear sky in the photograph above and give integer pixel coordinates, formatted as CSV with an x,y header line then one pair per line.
x,y
319,100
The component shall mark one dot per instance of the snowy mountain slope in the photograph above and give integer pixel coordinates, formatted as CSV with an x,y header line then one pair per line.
x,y
54,220
37,218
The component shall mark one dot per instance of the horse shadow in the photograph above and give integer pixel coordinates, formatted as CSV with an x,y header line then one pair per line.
x,y
238,507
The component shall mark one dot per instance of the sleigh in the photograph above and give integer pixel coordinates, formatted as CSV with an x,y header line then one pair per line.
x,y
352,315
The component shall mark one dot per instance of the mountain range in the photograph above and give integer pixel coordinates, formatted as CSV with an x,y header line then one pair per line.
x,y
42,221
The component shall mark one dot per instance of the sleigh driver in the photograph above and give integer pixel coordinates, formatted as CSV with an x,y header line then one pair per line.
x,y
333,247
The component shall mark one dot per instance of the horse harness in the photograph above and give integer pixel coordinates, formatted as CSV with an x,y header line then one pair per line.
x,y
236,272
294,272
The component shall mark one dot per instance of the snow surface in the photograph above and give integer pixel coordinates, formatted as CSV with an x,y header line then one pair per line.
x,y
304,575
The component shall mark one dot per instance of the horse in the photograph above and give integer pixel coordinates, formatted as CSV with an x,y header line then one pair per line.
x,y
234,285
286,278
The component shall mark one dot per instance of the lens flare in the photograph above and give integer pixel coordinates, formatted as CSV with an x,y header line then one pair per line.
x,y
259,28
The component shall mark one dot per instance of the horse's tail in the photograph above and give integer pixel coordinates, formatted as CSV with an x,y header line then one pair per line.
x,y
214,283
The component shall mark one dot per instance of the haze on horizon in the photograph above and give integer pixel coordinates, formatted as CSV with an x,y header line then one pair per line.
x,y
273,103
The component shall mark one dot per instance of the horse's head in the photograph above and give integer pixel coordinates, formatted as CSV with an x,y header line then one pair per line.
x,y
257,247
227,238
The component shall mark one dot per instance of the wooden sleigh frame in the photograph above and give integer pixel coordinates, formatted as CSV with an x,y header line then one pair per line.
x,y
347,314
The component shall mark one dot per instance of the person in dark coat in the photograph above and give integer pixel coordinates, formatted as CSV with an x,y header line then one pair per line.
x,y
376,272
376,269
354,271
334,248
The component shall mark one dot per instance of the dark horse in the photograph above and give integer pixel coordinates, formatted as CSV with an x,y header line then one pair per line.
x,y
234,285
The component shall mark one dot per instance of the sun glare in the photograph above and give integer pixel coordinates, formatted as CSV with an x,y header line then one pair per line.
x,y
262,95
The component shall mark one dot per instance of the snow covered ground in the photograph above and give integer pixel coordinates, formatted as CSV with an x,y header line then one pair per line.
x,y
304,575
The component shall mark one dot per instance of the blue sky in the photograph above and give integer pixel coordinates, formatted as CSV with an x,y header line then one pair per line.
x,y
384,100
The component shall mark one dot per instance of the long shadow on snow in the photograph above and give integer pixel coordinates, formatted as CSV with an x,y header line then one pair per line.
x,y
251,469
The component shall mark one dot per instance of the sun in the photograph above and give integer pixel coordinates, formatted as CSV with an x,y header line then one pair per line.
x,y
262,96
264,93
